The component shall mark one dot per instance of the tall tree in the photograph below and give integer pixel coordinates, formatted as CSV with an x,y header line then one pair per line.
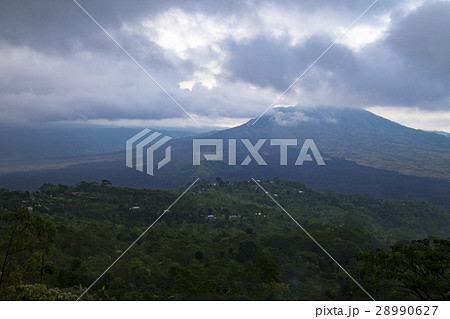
x,y
416,270
23,236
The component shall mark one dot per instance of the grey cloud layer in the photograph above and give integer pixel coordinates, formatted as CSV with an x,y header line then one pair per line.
x,y
57,65
410,67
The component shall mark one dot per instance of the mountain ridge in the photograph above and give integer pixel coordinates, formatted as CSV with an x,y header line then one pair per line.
x,y
364,153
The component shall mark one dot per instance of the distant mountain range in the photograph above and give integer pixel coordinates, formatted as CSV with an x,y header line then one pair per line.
x,y
441,133
50,142
364,153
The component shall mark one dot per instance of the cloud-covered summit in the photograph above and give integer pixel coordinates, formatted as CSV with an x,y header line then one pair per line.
x,y
225,61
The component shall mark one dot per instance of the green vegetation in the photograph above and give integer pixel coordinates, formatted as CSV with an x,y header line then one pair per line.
x,y
221,241
420,268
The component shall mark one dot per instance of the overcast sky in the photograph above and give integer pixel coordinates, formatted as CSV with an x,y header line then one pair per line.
x,y
224,61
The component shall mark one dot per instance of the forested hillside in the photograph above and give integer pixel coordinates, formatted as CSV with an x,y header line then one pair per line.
x,y
221,241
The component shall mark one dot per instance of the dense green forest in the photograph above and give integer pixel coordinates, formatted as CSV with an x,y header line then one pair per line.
x,y
221,241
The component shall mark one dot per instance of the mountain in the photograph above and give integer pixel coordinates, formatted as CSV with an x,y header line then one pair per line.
x,y
441,133
28,144
56,147
356,135
364,153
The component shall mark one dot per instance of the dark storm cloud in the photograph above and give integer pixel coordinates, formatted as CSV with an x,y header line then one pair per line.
x,y
423,38
264,62
411,67
58,65
350,7
385,77
59,25
269,62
